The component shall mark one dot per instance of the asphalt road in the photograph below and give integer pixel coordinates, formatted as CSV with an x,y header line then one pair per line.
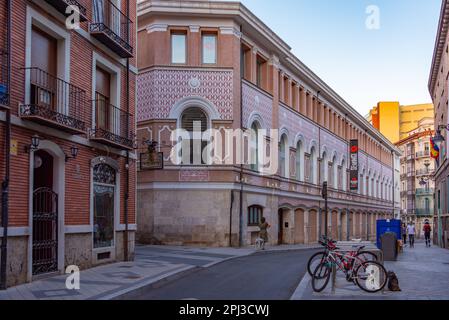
x,y
262,276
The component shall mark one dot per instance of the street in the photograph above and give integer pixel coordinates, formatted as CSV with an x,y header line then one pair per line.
x,y
261,276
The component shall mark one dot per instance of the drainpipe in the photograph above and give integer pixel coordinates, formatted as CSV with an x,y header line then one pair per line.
x,y
126,213
241,165
5,183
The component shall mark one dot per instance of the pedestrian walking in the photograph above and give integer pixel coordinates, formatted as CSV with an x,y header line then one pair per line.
x,y
263,234
411,234
427,230
404,233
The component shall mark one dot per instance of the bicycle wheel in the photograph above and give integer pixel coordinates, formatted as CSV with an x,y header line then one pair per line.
x,y
321,277
364,256
314,261
371,276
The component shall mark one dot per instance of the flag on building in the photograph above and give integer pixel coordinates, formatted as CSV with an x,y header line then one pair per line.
x,y
434,150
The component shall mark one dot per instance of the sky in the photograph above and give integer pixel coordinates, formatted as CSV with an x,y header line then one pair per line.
x,y
390,61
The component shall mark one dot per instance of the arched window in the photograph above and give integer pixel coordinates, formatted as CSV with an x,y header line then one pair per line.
x,y
194,119
298,160
104,184
323,168
343,176
333,180
283,157
255,214
254,157
313,166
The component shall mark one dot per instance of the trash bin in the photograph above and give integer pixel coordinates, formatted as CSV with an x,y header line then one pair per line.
x,y
389,246
384,226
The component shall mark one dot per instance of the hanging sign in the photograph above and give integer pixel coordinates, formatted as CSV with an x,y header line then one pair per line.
x,y
354,165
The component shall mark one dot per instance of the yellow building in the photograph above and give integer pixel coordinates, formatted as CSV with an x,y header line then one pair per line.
x,y
395,121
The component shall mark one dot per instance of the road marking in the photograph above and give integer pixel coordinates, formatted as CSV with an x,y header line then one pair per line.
x,y
302,287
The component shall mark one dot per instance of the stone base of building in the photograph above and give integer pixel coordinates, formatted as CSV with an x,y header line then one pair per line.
x,y
78,251
210,218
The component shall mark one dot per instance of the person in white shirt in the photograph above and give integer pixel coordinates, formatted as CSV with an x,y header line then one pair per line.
x,y
411,234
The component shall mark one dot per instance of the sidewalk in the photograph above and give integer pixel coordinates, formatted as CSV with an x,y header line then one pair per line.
x,y
423,274
152,265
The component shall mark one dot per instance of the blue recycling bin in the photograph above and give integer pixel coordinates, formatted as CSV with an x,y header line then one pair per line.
x,y
384,226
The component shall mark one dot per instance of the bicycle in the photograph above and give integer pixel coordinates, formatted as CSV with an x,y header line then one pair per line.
x,y
330,245
370,276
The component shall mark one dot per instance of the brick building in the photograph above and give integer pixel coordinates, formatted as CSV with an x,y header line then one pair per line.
x,y
215,63
69,103
438,89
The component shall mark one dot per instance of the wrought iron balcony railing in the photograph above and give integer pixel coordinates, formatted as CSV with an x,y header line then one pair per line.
x,y
4,99
112,126
425,172
423,154
112,27
62,5
424,212
424,191
54,102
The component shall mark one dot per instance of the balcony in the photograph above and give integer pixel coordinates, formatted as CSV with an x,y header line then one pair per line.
x,y
423,154
424,212
424,191
113,127
4,100
61,6
112,28
424,172
54,102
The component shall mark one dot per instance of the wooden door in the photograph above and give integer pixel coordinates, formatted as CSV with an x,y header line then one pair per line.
x,y
44,61
102,97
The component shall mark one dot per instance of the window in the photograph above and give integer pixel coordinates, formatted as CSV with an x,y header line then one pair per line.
x,y
254,157
261,73
254,215
245,62
193,119
298,161
178,48
104,205
312,167
209,48
283,157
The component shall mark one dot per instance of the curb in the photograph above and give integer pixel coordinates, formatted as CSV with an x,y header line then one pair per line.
x,y
302,288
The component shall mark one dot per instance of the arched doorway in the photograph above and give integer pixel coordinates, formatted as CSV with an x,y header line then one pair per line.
x,y
299,227
334,219
46,210
281,226
44,215
313,227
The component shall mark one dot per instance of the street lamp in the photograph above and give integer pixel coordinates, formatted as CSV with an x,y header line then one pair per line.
x,y
34,146
73,153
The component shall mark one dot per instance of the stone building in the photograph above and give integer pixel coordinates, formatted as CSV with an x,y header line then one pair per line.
x,y
438,88
216,64
67,135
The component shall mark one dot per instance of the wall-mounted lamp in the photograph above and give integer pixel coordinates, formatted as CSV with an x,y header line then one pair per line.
x,y
34,146
73,154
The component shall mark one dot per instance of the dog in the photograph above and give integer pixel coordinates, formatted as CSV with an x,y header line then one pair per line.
x,y
393,282
259,243
400,246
